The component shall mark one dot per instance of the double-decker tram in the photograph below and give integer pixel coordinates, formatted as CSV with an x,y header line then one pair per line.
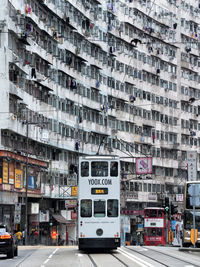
x,y
188,215
154,226
99,202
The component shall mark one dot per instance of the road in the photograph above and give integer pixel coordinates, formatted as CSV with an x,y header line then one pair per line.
x,y
64,256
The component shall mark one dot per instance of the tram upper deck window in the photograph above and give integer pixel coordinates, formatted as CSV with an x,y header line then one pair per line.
x,y
99,208
114,168
151,213
86,208
112,208
85,169
160,213
99,168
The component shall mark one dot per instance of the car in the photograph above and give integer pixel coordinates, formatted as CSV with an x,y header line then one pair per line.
x,y
8,243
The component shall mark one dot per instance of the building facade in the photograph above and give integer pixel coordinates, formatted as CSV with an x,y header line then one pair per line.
x,y
114,76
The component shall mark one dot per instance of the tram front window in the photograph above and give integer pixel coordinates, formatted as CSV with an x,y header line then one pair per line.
x,y
188,220
99,208
99,168
85,169
112,208
114,168
86,208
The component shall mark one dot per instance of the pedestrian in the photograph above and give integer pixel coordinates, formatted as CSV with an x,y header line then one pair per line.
x,y
36,236
19,236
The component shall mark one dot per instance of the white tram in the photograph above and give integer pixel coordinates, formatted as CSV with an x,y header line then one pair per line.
x,y
99,202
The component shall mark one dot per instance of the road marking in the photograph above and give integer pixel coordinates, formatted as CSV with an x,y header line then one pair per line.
x,y
188,265
134,258
46,261
50,256
80,255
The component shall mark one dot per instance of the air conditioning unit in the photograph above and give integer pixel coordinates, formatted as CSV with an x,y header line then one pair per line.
x,y
13,117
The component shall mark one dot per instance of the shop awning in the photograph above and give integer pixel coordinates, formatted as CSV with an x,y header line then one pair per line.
x,y
59,218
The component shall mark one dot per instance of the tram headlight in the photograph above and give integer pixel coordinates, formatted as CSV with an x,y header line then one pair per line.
x,y
99,232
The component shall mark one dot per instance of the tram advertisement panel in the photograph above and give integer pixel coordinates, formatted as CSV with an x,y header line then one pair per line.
x,y
153,222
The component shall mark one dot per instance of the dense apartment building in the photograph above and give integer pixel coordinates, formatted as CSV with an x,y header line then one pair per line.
x,y
118,76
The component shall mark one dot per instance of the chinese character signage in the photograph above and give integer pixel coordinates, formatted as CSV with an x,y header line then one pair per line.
x,y
74,191
5,172
192,165
11,173
143,165
18,178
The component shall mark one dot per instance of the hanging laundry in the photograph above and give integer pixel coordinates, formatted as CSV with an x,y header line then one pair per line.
x,y
33,73
175,26
97,84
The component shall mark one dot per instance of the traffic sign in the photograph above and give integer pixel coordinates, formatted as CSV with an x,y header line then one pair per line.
x,y
194,191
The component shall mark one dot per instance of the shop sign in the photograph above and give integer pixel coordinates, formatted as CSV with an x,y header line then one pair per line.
x,y
34,208
1,172
140,226
74,191
192,165
133,212
70,203
5,172
18,178
179,197
73,215
44,216
17,218
11,173
143,165
152,197
31,182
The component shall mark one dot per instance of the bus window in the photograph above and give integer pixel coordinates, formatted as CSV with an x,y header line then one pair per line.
x,y
99,208
112,208
114,168
85,169
86,208
99,168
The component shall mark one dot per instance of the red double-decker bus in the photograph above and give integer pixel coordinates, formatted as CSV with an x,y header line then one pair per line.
x,y
154,227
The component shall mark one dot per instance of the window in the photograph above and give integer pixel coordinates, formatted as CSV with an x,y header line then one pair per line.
x,y
99,168
99,208
86,208
112,208
114,168
84,169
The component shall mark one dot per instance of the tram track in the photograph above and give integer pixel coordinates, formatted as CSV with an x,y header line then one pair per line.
x,y
161,253
112,254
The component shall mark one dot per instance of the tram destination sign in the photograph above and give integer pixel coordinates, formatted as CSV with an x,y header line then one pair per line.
x,y
99,191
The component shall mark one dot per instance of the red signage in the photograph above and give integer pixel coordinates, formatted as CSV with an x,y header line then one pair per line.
x,y
133,212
